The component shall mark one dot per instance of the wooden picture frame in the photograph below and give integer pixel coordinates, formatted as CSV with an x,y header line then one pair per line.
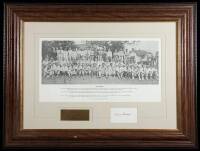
x,y
186,134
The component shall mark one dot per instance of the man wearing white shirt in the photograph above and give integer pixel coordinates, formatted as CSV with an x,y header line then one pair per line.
x,y
109,55
70,54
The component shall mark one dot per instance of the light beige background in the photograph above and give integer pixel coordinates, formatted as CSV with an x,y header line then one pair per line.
x,y
151,115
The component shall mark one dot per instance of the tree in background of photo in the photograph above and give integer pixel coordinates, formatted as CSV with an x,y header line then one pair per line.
x,y
47,47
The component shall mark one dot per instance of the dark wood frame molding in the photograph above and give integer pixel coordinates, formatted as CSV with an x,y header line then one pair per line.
x,y
184,14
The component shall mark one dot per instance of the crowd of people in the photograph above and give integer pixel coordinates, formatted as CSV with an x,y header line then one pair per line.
x,y
97,63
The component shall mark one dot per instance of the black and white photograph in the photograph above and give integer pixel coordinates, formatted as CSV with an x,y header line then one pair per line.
x,y
100,61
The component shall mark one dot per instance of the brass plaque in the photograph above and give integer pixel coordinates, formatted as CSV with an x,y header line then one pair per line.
x,y
74,115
